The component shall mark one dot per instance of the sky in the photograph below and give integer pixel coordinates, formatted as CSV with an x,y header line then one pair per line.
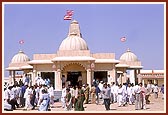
x,y
42,28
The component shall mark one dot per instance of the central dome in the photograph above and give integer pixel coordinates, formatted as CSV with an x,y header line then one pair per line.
x,y
74,41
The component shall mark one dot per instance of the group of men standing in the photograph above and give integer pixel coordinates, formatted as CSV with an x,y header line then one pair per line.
x,y
137,95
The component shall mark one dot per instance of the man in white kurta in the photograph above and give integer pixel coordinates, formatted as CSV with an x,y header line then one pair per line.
x,y
129,94
124,94
63,96
38,80
112,92
40,92
143,93
101,87
51,94
27,96
120,95
7,106
138,98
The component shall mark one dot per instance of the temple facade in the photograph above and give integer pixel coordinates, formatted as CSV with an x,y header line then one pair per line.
x,y
73,61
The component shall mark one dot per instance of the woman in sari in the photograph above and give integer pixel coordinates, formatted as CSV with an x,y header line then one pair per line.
x,y
79,100
44,101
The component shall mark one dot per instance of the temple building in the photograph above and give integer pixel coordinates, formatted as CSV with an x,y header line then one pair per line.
x,y
73,61
154,76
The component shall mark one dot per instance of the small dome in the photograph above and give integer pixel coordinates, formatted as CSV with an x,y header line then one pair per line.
x,y
128,56
73,42
20,58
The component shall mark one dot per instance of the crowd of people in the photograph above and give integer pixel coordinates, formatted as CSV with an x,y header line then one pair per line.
x,y
41,95
130,94
23,95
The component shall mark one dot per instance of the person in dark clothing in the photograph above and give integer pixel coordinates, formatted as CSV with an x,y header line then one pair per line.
x,y
80,99
162,91
20,82
12,100
97,94
22,99
32,100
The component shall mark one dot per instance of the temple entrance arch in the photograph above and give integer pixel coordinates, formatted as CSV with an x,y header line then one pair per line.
x,y
75,74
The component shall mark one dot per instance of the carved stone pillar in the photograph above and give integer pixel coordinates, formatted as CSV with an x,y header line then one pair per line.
x,y
89,81
113,73
143,82
139,78
124,77
58,82
135,75
14,77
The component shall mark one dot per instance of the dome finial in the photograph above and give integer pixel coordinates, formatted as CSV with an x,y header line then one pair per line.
x,y
128,50
74,22
74,29
21,51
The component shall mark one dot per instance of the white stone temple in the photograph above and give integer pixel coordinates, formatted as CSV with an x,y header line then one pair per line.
x,y
74,59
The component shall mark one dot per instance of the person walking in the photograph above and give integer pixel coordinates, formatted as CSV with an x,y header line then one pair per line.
x,y
97,94
137,97
106,96
68,99
44,101
149,90
129,94
143,91
79,100
93,94
87,89
155,91
162,91
33,97
112,91
51,92
63,96
120,95
124,94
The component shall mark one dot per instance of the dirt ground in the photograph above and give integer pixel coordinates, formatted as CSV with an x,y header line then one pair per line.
x,y
156,106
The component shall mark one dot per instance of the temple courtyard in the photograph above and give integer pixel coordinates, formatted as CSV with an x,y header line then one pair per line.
x,y
155,106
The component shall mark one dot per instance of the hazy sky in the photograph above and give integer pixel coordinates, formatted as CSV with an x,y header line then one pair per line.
x,y
42,28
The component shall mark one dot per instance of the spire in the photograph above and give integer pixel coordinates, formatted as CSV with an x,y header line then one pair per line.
x,y
74,29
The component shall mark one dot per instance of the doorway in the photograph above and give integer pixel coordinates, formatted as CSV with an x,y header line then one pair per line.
x,y
49,75
72,77
100,76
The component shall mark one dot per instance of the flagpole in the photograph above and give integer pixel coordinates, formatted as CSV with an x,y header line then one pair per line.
x,y
73,15
21,42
